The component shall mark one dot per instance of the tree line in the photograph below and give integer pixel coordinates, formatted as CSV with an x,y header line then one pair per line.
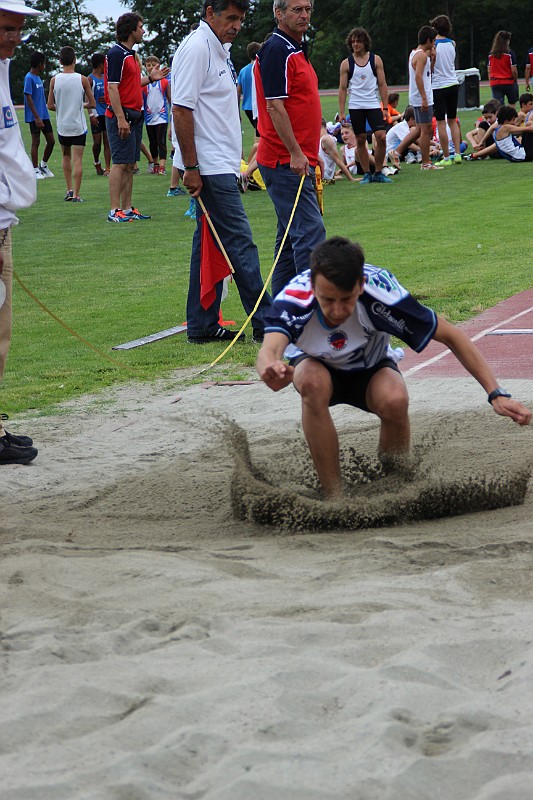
x,y
393,27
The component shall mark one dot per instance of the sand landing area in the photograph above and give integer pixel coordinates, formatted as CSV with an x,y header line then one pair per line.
x,y
153,645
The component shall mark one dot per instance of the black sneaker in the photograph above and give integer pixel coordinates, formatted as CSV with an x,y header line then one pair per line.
x,y
14,454
20,441
257,336
220,335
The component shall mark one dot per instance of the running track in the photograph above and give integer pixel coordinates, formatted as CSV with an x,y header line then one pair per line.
x,y
510,355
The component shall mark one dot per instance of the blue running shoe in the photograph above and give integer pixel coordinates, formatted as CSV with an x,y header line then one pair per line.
x,y
379,177
191,211
136,214
118,216
367,178
176,192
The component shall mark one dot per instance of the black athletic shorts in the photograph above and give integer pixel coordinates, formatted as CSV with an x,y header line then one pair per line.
x,y
445,102
47,127
349,388
359,117
68,141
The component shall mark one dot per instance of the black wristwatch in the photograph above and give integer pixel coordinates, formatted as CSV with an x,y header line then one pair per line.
x,y
499,392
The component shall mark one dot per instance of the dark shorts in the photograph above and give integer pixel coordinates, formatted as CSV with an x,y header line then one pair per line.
x,y
359,117
68,141
349,388
423,117
509,89
445,102
35,131
125,151
98,124
253,122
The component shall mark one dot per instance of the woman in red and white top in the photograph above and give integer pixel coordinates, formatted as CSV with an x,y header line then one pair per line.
x,y
503,74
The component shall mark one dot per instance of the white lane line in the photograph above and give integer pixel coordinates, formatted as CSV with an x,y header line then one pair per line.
x,y
474,339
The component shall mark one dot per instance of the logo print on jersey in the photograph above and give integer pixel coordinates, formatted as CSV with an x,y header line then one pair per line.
x,y
337,340
7,113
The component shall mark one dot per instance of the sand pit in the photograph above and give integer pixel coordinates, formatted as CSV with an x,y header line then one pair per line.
x,y
154,645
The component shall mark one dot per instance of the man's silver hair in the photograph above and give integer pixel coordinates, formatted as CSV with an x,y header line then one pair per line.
x,y
282,5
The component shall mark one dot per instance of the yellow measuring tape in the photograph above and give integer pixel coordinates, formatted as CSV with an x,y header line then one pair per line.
x,y
224,253
228,348
66,327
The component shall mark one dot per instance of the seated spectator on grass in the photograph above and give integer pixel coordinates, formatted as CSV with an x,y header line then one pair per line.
x,y
393,115
330,156
349,152
505,133
526,106
476,136
401,140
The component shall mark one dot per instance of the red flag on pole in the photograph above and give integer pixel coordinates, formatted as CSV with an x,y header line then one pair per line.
x,y
213,266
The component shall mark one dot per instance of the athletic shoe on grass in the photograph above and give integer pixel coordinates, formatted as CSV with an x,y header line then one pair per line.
x,y
69,195
394,158
379,177
118,216
445,162
457,159
176,191
134,213
367,178
46,171
426,167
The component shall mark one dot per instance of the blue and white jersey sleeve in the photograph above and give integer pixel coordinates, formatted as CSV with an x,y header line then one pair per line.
x,y
392,309
292,308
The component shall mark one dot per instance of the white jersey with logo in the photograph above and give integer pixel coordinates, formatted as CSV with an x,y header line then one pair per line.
x,y
349,158
203,81
415,98
17,176
363,90
385,308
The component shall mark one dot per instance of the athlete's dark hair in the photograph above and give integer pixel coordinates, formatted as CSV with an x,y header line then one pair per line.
x,y
506,114
408,114
126,24
525,98
252,50
442,25
362,35
340,261
491,107
67,56
222,5
500,43
97,59
36,58
393,97
426,32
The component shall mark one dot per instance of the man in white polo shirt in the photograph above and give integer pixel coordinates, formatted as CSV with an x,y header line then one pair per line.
x,y
207,122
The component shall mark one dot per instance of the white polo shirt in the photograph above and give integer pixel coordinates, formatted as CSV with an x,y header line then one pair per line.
x,y
203,80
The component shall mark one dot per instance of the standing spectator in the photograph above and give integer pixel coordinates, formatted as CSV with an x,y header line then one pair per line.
x,y
362,77
98,127
244,83
289,122
36,113
503,72
208,126
446,90
66,97
527,71
17,190
124,114
421,93
156,97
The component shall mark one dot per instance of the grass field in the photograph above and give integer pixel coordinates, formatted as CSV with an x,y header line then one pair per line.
x,y
458,239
